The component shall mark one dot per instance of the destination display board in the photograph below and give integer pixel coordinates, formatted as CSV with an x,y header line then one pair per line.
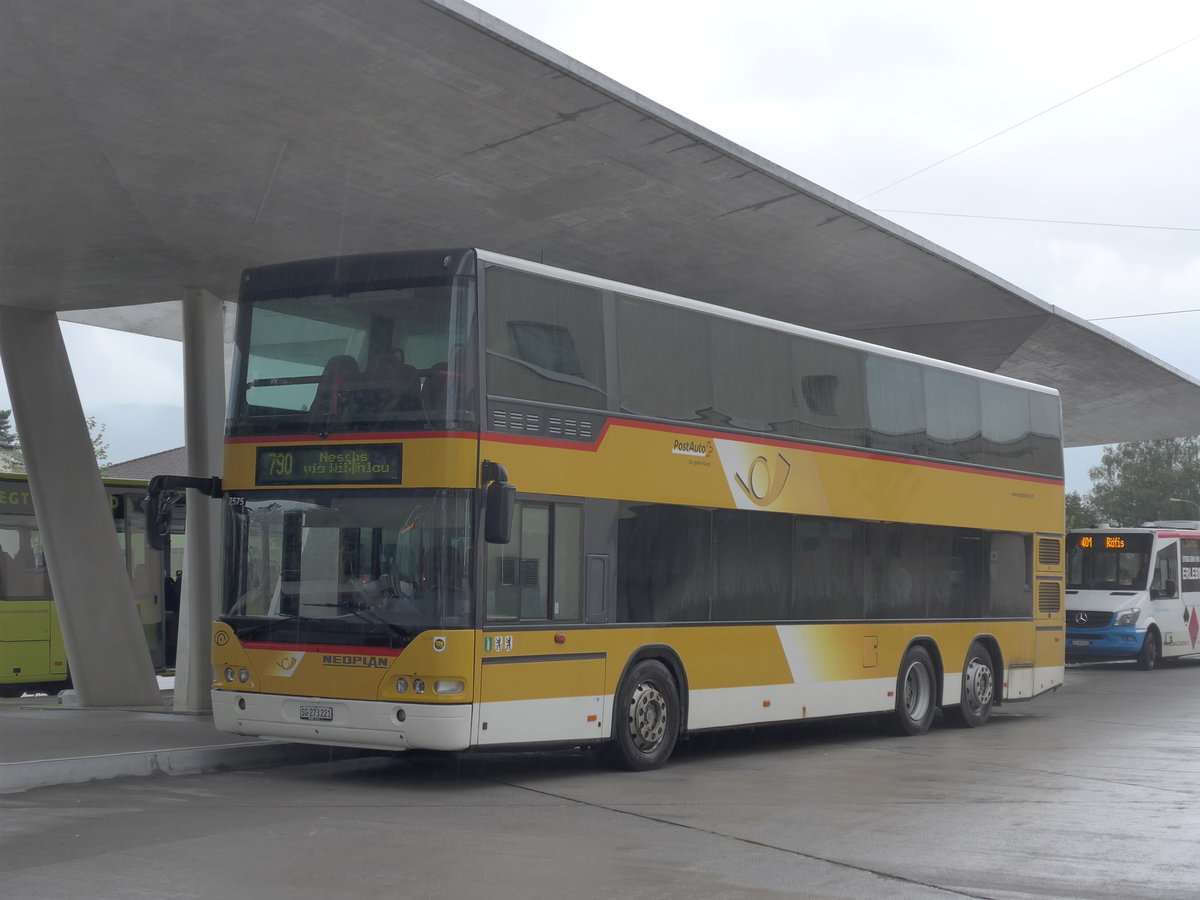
x,y
323,464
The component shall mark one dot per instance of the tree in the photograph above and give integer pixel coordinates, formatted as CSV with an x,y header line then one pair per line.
x,y
13,459
1136,481
1080,512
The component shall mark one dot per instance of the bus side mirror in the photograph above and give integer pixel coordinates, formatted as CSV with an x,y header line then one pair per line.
x,y
497,522
499,502
163,492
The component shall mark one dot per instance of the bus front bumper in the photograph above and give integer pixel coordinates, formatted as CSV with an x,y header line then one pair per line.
x,y
1114,642
375,725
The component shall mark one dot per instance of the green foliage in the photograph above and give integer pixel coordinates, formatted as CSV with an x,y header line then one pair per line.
x,y
1135,481
1080,512
7,435
99,444
13,459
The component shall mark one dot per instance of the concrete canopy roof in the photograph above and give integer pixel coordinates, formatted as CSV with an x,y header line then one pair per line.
x,y
148,147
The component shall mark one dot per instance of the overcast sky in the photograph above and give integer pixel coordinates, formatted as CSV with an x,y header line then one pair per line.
x,y
1015,121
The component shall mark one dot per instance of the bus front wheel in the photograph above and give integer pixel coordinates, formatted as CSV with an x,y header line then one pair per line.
x,y
916,696
1149,656
645,717
978,689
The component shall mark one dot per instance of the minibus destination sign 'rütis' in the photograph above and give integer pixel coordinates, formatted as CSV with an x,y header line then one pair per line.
x,y
347,464
1105,541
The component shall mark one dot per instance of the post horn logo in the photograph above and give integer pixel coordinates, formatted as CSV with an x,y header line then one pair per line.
x,y
761,485
287,663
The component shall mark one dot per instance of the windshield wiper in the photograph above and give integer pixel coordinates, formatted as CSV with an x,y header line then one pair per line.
x,y
374,618
245,627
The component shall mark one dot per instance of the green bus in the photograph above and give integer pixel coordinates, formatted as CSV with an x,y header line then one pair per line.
x,y
33,658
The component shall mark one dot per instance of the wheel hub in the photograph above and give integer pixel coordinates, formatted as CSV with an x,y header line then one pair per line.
x,y
978,685
647,717
916,692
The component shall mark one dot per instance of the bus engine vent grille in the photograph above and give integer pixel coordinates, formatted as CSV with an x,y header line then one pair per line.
x,y
1049,551
1049,597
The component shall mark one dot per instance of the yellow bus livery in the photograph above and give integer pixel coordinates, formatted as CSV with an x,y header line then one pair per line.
x,y
473,501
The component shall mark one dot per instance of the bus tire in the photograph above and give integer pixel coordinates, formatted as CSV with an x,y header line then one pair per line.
x,y
646,719
978,689
916,693
1149,657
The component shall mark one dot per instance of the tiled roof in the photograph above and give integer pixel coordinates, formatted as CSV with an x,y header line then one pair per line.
x,y
168,462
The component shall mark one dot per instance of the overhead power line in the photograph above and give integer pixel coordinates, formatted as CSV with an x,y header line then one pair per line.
x,y
1029,119
917,212
1169,312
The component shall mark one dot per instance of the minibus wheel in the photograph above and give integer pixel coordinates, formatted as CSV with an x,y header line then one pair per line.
x,y
1149,656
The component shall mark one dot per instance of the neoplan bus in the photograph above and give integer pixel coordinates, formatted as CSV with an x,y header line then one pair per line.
x,y
1132,593
476,502
32,655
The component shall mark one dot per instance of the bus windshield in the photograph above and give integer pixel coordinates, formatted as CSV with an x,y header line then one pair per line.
x,y
360,568
1112,562
373,360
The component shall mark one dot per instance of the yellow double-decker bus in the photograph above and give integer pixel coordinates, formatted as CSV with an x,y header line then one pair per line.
x,y
475,502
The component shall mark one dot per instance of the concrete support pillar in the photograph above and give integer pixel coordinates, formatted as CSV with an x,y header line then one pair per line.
x,y
204,427
106,647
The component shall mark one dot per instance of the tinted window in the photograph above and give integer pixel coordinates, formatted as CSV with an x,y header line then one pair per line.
x,y
952,415
753,565
1009,592
664,362
828,383
1006,427
1046,414
545,340
895,405
828,564
751,380
664,563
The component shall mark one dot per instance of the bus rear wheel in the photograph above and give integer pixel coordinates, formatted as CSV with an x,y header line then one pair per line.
x,y
916,697
978,689
645,717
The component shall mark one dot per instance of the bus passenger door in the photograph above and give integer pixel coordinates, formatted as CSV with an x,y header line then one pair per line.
x,y
541,674
1166,601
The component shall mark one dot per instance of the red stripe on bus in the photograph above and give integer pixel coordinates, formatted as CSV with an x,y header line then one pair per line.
x,y
321,648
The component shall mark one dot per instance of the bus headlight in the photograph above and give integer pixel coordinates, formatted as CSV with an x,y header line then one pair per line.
x,y
229,674
418,686
1129,616
448,687
243,675
401,685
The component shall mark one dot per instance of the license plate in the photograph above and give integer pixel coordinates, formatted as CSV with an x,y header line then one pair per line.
x,y
1081,643
316,713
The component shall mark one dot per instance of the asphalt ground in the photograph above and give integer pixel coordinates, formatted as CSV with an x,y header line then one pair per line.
x,y
1090,792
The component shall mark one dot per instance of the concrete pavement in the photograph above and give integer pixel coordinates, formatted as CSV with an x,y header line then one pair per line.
x,y
47,742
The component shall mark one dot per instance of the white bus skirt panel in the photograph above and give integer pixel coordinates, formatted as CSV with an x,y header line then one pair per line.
x,y
377,725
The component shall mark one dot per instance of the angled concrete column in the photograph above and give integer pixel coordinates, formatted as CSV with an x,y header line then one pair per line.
x,y
106,647
204,426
